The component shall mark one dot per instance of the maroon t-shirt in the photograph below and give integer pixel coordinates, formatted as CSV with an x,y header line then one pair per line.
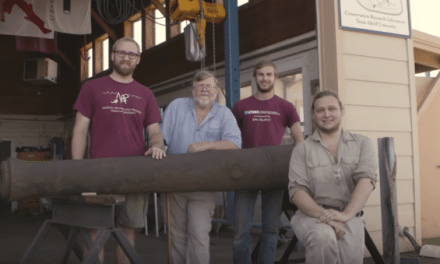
x,y
263,123
118,113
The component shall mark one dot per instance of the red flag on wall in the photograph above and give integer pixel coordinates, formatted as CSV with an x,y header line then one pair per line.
x,y
25,18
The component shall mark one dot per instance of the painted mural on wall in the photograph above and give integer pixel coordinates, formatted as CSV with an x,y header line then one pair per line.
x,y
378,16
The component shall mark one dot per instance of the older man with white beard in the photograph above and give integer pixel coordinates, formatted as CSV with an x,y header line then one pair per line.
x,y
194,125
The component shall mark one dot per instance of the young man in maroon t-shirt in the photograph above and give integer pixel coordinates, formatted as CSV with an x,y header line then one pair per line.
x,y
116,109
263,119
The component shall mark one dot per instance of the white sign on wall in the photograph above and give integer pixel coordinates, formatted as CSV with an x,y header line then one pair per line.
x,y
379,16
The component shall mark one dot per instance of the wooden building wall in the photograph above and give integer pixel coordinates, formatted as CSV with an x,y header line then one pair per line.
x,y
374,77
429,145
379,103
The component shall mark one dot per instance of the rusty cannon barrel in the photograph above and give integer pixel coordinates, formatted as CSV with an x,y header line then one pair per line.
x,y
222,170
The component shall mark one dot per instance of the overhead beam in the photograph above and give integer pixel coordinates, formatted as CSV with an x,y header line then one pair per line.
x,y
66,60
104,25
428,95
159,5
426,58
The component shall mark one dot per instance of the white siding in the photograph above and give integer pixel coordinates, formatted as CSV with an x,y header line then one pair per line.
x,y
378,103
375,70
377,94
368,118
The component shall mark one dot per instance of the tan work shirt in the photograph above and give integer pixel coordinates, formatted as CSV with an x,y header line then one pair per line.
x,y
329,181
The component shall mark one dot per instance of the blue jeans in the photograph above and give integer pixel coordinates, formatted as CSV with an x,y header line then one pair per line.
x,y
271,202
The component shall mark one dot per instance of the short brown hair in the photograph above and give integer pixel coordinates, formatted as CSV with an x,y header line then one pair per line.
x,y
265,63
203,75
125,39
325,93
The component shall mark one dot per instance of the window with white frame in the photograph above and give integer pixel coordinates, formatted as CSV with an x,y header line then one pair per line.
x,y
242,2
105,54
90,63
86,61
137,32
159,28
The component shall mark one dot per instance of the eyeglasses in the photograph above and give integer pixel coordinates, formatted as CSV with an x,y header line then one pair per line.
x,y
209,87
122,54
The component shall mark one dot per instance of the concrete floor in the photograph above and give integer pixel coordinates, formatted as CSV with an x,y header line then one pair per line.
x,y
17,232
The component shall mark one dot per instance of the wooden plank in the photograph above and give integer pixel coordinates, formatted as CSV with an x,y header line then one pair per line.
x,y
402,140
375,46
405,168
376,94
372,216
374,199
428,59
376,70
159,6
404,243
367,118
405,193
104,25
406,214
93,199
423,85
426,42
376,235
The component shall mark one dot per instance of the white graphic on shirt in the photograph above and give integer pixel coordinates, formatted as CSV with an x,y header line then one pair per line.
x,y
261,116
121,98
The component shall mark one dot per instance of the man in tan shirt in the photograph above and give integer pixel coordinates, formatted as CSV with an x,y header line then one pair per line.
x,y
331,176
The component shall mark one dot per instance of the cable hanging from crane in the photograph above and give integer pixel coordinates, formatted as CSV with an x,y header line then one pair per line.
x,y
115,11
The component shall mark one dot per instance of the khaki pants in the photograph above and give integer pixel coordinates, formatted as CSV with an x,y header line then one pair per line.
x,y
321,244
191,216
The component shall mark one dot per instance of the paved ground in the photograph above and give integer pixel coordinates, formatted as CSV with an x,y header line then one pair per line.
x,y
17,232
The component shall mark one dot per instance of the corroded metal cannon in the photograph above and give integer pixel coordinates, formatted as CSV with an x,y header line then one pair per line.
x,y
222,170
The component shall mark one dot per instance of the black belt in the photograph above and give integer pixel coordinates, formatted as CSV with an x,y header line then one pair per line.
x,y
340,209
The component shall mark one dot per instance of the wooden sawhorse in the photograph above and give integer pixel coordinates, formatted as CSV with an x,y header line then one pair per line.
x,y
74,215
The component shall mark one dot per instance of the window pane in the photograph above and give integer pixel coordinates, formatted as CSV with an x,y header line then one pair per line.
x,y
242,2
137,32
105,55
290,88
245,92
159,29
90,62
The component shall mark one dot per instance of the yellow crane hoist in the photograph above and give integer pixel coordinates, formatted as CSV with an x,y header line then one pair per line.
x,y
181,10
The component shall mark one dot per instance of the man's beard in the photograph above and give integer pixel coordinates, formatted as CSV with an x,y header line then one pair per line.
x,y
124,71
328,131
267,90
203,103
